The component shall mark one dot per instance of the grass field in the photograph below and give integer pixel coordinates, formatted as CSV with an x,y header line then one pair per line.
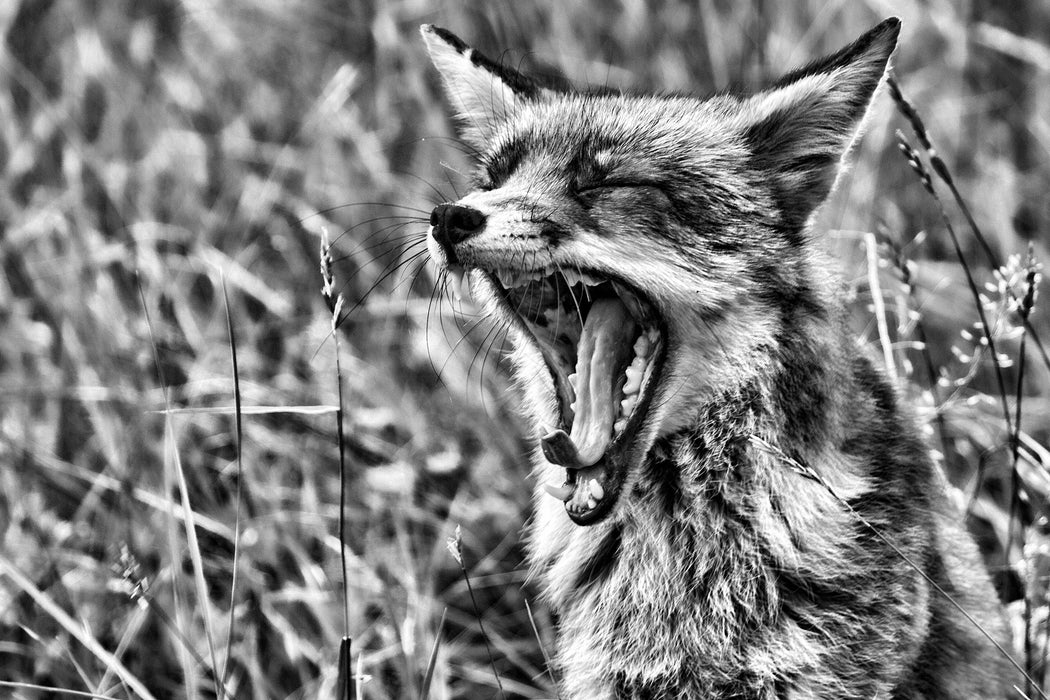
x,y
167,171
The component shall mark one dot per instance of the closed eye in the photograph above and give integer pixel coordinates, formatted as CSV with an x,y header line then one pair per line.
x,y
588,192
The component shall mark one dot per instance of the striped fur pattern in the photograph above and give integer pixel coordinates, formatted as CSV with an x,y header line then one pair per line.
x,y
707,567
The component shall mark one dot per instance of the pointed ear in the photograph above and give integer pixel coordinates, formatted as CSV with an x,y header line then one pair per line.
x,y
483,93
800,130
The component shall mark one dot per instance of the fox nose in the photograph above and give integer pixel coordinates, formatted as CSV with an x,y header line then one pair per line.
x,y
453,223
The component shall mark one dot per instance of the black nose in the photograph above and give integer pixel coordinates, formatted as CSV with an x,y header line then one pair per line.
x,y
453,223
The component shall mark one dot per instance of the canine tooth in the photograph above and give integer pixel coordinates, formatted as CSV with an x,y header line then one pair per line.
x,y
466,289
597,492
573,380
562,493
627,405
642,346
619,425
457,274
591,504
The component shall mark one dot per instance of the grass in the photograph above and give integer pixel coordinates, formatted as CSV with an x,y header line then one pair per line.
x,y
167,171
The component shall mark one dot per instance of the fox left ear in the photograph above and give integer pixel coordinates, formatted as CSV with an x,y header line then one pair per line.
x,y
800,130
483,93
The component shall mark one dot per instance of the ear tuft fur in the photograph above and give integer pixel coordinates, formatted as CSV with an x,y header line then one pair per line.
x,y
800,129
482,93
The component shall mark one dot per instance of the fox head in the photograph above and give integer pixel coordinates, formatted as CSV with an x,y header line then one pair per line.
x,y
644,250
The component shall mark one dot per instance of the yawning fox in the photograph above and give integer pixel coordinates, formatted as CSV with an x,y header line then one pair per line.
x,y
732,502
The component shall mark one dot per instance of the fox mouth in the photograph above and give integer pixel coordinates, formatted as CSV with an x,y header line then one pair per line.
x,y
603,343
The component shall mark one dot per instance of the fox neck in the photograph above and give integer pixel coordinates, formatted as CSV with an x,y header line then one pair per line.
x,y
712,516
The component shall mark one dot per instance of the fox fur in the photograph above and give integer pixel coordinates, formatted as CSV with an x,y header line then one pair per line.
x,y
733,552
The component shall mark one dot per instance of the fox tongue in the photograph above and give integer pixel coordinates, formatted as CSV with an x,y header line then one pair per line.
x,y
605,349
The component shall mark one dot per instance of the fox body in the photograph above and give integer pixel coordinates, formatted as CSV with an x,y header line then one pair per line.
x,y
722,470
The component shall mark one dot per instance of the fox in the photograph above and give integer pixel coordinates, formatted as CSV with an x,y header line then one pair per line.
x,y
731,500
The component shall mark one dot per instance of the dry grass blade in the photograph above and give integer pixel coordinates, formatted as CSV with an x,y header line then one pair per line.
x,y
239,435
320,410
543,650
871,248
195,557
188,668
56,691
424,692
70,625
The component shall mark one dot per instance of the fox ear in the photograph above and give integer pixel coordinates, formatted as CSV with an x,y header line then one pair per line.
x,y
800,130
482,92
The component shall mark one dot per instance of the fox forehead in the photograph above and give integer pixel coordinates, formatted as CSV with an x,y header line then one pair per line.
x,y
615,135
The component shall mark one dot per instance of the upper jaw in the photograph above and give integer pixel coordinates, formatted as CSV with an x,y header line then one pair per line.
x,y
622,353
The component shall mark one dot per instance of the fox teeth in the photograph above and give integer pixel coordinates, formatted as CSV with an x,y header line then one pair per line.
x,y
458,274
619,425
634,381
507,278
562,493
627,405
597,492
466,291
642,346
575,277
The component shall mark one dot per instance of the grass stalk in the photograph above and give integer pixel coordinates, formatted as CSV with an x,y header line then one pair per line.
x,y
455,546
940,168
335,303
917,166
1024,310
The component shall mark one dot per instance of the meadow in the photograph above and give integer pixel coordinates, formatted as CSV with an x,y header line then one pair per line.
x,y
181,425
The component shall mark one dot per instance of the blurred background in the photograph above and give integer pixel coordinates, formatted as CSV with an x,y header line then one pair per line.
x,y
167,171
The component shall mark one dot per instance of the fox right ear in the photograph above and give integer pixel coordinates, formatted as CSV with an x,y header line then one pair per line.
x,y
483,93
800,129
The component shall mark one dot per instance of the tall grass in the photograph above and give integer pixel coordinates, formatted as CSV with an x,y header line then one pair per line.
x,y
166,172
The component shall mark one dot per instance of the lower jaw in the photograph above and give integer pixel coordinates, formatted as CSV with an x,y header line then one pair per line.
x,y
612,470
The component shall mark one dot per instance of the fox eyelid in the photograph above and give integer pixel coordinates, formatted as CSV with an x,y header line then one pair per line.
x,y
615,184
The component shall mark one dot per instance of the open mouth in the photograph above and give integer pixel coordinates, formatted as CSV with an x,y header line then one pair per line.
x,y
603,343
